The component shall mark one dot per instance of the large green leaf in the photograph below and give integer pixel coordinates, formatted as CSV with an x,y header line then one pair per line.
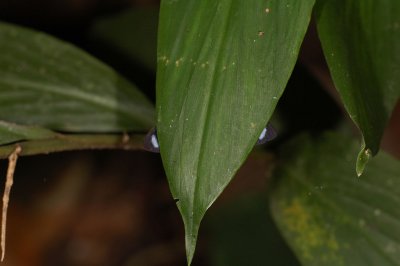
x,y
222,66
361,42
46,82
328,215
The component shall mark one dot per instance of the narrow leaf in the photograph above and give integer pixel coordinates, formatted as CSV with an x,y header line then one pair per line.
x,y
327,214
361,42
222,66
10,132
49,83
61,142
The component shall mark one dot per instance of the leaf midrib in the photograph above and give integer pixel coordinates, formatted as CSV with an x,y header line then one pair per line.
x,y
210,100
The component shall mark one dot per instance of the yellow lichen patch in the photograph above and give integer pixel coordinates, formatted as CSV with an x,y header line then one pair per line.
x,y
178,62
162,58
311,239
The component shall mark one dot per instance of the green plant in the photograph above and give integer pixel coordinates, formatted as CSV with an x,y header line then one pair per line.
x,y
222,66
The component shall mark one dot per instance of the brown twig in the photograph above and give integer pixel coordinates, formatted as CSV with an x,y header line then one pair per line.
x,y
12,163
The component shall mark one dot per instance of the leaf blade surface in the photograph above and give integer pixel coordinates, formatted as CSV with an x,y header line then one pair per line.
x,y
222,66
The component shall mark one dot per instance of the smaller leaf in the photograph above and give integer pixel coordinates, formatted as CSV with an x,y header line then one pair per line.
x,y
327,214
68,142
10,132
361,43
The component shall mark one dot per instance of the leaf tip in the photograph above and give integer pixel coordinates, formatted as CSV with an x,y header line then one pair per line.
x,y
190,242
362,160
192,225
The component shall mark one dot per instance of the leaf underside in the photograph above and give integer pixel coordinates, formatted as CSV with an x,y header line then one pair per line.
x,y
222,67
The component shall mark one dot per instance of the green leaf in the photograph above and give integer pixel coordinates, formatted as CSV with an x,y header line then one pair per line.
x,y
10,132
327,214
133,33
222,66
361,42
49,83
61,142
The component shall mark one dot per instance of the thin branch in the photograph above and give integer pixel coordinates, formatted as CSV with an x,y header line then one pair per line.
x,y
12,163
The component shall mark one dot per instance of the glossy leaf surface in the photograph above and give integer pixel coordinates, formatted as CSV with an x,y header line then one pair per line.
x,y
49,83
361,42
222,67
328,215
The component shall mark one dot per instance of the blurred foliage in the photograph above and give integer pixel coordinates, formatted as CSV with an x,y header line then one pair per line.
x,y
138,41
327,214
243,233
46,82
